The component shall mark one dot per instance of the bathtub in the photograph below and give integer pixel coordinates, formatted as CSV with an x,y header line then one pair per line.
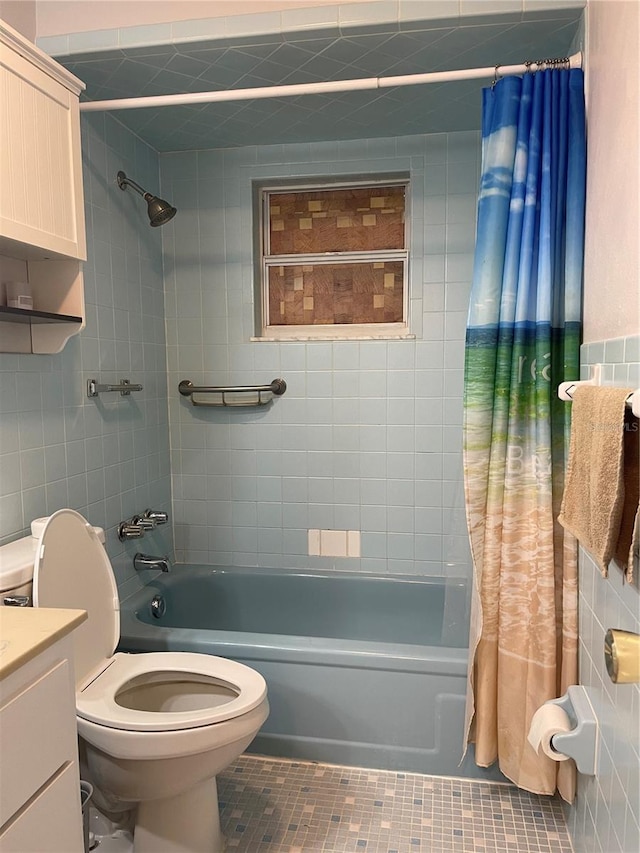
x,y
363,670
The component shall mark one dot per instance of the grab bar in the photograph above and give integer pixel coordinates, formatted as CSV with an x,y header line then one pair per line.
x,y
125,388
275,388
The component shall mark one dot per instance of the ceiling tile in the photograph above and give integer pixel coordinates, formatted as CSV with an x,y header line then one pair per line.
x,y
311,55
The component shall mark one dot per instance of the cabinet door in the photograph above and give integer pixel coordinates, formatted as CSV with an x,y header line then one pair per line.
x,y
51,822
41,201
37,737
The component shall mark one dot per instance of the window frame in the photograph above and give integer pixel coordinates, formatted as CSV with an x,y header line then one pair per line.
x,y
333,331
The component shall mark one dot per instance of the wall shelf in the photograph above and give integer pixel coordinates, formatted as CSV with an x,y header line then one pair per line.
x,y
23,315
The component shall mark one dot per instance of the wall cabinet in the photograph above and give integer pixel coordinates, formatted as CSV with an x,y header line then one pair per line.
x,y
42,230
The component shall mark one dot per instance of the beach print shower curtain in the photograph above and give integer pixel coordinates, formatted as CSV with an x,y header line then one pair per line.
x,y
522,340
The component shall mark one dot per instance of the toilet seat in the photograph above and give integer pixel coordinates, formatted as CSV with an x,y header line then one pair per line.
x,y
72,570
241,690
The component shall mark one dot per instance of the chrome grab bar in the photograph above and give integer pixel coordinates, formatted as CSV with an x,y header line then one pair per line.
x,y
125,387
275,388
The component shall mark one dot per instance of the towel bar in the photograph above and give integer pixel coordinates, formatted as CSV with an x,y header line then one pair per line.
x,y
632,401
566,389
125,387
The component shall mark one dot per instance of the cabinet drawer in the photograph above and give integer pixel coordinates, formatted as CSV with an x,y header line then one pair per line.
x,y
51,822
37,737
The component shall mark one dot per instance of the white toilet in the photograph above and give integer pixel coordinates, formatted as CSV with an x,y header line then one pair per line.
x,y
157,727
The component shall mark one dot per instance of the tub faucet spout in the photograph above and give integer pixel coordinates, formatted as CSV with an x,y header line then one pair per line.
x,y
146,561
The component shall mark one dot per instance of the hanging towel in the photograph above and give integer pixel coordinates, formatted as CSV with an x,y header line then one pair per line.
x,y
593,500
627,546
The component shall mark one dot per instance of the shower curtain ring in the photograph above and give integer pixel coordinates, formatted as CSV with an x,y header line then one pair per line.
x,y
496,76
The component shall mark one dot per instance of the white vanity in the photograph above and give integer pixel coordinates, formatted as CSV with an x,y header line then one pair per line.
x,y
40,809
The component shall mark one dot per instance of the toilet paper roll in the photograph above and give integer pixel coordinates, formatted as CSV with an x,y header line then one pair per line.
x,y
548,720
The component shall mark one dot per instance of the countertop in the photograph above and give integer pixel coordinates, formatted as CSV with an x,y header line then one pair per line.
x,y
27,631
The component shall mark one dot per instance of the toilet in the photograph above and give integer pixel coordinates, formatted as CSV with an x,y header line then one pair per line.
x,y
156,728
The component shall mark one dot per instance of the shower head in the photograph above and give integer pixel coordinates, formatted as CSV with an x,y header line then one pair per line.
x,y
159,210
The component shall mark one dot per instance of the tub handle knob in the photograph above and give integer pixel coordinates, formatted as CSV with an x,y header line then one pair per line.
x,y
143,522
129,530
156,516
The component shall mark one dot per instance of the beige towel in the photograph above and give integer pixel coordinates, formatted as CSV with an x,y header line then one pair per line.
x,y
627,543
593,500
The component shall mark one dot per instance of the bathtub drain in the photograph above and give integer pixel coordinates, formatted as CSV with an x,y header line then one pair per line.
x,y
158,606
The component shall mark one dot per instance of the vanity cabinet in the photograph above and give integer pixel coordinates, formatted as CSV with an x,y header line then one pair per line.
x,y
42,229
40,809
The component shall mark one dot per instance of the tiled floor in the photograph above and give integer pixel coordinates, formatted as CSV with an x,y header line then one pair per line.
x,y
277,806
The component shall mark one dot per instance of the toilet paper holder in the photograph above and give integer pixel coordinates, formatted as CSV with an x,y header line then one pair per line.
x,y
581,743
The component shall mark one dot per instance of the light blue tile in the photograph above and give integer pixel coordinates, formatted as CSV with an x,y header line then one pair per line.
x,y
372,465
461,209
148,34
614,350
436,148
547,5
54,45
409,10
377,11
632,348
253,24
93,40
374,545
596,352
184,31
10,479
11,515
489,7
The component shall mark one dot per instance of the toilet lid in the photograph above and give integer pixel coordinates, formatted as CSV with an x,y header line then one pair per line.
x,y
72,570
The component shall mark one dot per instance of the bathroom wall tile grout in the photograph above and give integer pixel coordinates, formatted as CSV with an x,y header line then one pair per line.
x,y
606,815
107,457
314,455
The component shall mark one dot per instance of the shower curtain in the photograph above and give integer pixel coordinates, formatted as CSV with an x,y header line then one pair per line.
x,y
522,340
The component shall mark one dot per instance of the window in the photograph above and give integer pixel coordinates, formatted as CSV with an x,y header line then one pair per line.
x,y
334,260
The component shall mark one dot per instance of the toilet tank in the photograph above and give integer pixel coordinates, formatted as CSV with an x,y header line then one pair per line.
x,y
17,561
16,567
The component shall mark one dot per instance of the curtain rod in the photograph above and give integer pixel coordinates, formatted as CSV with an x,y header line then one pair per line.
x,y
328,87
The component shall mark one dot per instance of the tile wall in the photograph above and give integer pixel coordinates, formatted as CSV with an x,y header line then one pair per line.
x,y
606,815
368,434
106,457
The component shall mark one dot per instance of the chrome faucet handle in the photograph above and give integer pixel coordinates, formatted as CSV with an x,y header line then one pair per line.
x,y
16,601
143,522
129,530
156,515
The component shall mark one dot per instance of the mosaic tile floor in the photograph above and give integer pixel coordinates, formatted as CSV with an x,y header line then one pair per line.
x,y
277,806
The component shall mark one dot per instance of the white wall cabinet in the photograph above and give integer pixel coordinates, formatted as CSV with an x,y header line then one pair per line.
x,y
41,196
40,810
